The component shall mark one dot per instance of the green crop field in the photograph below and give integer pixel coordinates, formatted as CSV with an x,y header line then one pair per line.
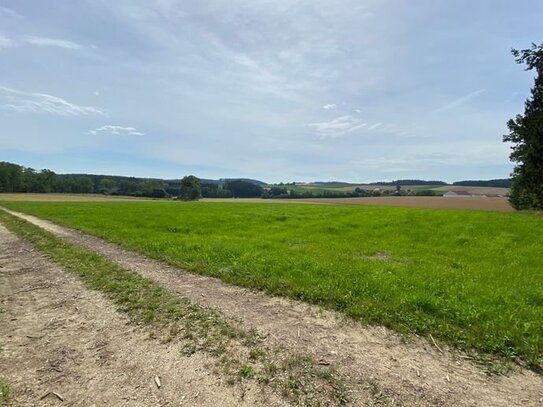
x,y
472,279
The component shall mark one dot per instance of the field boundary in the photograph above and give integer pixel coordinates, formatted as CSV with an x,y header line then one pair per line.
x,y
401,371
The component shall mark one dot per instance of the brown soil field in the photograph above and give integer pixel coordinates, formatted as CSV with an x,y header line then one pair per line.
x,y
434,202
383,368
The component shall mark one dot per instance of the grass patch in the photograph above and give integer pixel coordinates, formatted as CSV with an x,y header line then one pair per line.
x,y
242,354
5,393
471,279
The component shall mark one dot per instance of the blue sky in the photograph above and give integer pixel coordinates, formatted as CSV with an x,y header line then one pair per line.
x,y
271,89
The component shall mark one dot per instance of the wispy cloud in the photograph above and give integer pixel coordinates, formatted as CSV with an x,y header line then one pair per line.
x,y
337,127
374,126
22,101
52,42
9,12
116,131
459,101
329,106
5,42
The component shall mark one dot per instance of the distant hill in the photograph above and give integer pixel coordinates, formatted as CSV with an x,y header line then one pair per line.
x,y
495,183
222,181
331,184
409,182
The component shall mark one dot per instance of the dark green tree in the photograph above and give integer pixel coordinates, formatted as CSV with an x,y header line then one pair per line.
x,y
244,189
83,185
190,188
107,185
526,134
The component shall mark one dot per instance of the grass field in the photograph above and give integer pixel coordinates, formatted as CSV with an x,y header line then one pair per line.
x,y
473,279
433,202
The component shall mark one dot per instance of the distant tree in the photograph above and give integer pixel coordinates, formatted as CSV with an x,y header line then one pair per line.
x,y
83,185
152,189
127,187
526,134
244,189
495,183
11,177
190,189
45,181
107,185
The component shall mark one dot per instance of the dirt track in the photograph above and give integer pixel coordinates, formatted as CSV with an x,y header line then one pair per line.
x,y
410,374
60,337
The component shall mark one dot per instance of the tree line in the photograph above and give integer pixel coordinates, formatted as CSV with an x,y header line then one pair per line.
x,y
17,178
494,183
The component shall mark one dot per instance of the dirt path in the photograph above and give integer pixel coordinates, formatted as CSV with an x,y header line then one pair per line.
x,y
59,337
384,368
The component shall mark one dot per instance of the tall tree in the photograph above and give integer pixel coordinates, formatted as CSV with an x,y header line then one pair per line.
x,y
190,188
526,134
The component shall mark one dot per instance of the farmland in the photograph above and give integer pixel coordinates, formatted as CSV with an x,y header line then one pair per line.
x,y
472,279
438,189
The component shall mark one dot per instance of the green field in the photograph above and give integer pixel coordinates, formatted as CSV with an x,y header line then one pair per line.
x,y
472,279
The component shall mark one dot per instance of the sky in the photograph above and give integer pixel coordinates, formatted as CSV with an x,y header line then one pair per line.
x,y
277,90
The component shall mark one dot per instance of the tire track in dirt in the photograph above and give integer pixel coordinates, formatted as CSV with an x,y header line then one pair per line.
x,y
383,367
58,336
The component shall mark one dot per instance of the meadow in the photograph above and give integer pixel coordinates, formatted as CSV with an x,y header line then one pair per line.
x,y
473,279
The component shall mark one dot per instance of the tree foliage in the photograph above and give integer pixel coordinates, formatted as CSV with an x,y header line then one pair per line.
x,y
526,134
190,189
243,189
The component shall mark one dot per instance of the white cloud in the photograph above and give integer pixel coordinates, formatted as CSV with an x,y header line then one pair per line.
x,y
374,126
459,101
116,131
329,106
51,42
22,101
5,42
337,127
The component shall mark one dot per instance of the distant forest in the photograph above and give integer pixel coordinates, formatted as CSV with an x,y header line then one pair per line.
x,y
495,183
16,178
